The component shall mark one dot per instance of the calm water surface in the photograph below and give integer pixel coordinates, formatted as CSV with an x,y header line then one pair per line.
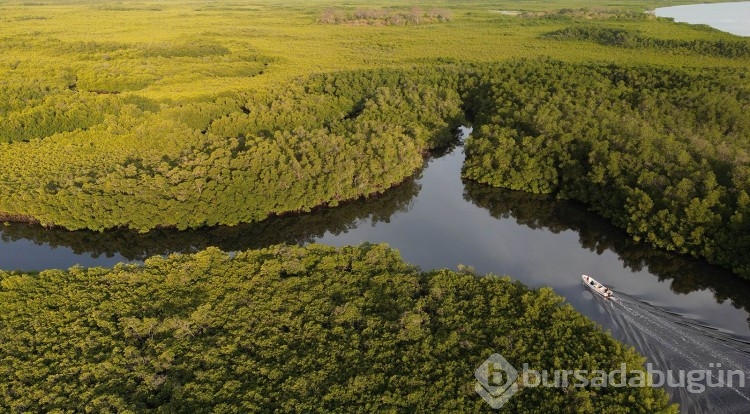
x,y
681,313
729,17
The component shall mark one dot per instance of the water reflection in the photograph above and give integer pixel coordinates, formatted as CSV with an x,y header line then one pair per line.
x,y
597,235
368,219
134,246
687,332
437,220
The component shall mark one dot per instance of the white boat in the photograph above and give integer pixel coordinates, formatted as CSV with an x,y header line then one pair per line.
x,y
596,287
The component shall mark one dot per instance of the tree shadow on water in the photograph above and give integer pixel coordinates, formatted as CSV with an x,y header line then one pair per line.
x,y
293,228
597,234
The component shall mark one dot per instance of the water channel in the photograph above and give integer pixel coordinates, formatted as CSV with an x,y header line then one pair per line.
x,y
679,312
682,313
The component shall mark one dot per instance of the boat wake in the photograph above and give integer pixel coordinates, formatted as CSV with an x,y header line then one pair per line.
x,y
677,345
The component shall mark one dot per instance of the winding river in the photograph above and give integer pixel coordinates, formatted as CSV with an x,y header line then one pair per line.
x,y
681,313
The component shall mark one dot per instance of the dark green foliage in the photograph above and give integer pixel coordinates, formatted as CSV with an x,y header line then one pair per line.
x,y
36,108
290,329
632,39
63,111
662,153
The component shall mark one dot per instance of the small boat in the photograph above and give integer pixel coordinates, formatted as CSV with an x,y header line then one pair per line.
x,y
596,286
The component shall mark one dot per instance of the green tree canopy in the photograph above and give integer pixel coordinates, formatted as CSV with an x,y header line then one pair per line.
x,y
292,329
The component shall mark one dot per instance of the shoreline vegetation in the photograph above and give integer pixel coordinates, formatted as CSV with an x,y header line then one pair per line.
x,y
195,114
319,141
9,219
662,152
658,143
16,218
292,329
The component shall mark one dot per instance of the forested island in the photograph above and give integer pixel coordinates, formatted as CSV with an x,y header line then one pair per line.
x,y
291,329
186,115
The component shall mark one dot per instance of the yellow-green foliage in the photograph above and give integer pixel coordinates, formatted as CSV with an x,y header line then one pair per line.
x,y
189,114
238,158
194,113
291,329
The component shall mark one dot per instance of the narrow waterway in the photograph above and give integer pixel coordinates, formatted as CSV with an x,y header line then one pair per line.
x,y
681,313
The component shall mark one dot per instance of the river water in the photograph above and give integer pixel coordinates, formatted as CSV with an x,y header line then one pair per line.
x,y
729,17
681,313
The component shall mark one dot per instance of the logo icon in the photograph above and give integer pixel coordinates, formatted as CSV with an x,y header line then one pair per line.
x,y
496,381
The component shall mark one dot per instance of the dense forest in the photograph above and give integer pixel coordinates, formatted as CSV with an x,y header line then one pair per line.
x,y
663,153
291,329
185,130
241,158
239,126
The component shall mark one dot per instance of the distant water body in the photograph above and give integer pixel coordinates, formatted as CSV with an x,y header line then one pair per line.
x,y
728,17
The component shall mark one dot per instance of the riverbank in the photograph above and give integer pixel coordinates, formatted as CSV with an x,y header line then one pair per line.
x,y
135,337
